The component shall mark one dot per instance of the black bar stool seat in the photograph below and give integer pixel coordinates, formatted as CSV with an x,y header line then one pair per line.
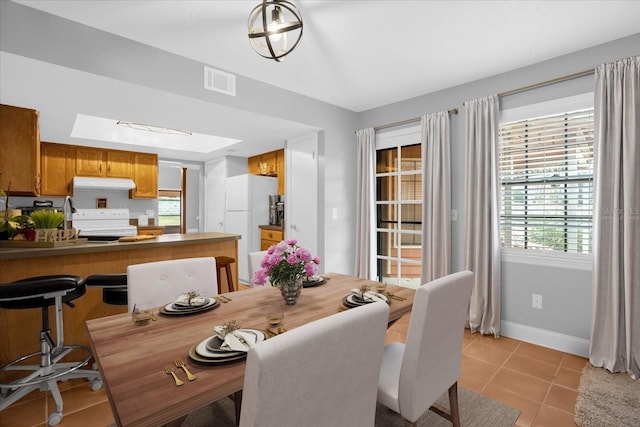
x,y
43,292
114,287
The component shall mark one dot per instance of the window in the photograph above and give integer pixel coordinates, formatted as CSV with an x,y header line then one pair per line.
x,y
546,172
169,206
399,208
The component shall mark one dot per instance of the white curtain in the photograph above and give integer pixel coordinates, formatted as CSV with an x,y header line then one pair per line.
x,y
436,196
482,196
365,265
615,336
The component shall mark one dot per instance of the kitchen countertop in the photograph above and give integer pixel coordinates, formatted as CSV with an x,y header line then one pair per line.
x,y
159,241
271,227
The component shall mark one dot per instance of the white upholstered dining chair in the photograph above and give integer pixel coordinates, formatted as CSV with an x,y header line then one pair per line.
x,y
324,373
414,375
255,259
154,284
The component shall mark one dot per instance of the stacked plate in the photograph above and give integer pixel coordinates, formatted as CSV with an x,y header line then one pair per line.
x,y
356,300
310,282
175,308
209,350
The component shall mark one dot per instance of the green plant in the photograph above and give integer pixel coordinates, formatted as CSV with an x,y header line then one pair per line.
x,y
46,219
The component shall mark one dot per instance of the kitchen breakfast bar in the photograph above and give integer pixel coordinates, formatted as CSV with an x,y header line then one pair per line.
x,y
19,329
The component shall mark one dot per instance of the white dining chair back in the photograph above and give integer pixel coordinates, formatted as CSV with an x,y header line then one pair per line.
x,y
154,284
255,261
324,373
415,375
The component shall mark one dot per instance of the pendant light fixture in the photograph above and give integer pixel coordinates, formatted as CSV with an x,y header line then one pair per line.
x,y
275,29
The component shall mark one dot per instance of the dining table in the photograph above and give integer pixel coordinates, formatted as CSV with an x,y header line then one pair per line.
x,y
132,357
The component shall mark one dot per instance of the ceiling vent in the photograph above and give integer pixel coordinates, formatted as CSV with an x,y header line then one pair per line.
x,y
219,81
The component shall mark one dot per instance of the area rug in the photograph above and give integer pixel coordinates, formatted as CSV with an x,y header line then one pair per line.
x,y
476,410
606,399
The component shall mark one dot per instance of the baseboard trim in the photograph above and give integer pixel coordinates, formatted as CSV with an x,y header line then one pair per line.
x,y
555,340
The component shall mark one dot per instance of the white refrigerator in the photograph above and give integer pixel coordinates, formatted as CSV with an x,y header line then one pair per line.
x,y
246,208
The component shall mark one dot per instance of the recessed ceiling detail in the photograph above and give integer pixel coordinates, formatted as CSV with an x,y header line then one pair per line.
x,y
102,129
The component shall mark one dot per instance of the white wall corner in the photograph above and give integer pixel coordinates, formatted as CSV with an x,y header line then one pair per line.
x,y
542,337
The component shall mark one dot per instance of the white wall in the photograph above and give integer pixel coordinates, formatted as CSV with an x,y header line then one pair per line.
x,y
565,320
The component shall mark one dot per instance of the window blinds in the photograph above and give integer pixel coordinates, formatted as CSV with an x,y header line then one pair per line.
x,y
546,169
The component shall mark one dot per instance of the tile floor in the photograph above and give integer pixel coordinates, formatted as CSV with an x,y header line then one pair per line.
x,y
541,382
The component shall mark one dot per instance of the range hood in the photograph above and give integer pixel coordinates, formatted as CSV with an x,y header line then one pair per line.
x,y
81,182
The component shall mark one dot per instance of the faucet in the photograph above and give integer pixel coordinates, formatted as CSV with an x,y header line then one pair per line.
x,y
67,206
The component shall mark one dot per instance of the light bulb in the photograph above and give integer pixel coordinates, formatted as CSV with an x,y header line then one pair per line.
x,y
277,19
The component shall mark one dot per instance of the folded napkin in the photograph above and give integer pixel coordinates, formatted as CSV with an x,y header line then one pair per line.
x,y
369,295
183,300
237,340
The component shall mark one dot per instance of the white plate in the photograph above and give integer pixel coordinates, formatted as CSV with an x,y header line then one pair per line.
x,y
363,301
170,307
203,351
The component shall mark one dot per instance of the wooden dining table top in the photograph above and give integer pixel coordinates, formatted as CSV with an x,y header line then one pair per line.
x,y
132,358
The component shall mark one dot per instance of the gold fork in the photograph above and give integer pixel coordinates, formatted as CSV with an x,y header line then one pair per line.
x,y
170,371
181,364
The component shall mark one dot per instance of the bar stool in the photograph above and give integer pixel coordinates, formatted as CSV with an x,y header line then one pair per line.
x,y
225,262
43,292
114,287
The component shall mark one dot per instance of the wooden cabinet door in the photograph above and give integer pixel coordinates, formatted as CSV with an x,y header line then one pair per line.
x,y
90,162
280,170
58,168
253,165
19,150
145,175
119,164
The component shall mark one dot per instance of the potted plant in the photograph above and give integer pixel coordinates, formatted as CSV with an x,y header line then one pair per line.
x,y
48,221
286,264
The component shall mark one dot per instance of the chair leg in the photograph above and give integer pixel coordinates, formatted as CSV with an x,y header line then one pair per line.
x,y
453,414
453,404
237,402
230,279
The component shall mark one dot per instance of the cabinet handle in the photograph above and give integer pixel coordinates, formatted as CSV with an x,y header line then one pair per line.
x,y
100,169
108,168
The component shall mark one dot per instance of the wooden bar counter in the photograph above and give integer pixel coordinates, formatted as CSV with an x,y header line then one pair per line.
x,y
19,329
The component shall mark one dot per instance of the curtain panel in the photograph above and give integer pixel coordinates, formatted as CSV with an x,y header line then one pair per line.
x,y
615,334
365,262
482,204
436,196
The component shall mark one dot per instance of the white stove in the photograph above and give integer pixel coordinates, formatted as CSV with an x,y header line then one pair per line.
x,y
103,222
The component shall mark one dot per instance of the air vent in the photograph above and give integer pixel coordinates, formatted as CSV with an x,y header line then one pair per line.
x,y
219,81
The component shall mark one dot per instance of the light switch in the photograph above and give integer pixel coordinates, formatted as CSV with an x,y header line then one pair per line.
x,y
454,214
334,213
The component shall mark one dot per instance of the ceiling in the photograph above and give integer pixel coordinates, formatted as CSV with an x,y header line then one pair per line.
x,y
361,55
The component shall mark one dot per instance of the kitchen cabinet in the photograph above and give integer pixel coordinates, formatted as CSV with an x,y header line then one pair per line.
x,y
269,237
58,166
268,164
99,162
145,175
19,150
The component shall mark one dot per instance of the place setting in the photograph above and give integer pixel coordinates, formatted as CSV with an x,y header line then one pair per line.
x,y
230,342
364,295
189,303
313,281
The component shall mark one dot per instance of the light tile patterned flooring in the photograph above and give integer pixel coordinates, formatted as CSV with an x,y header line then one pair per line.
x,y
541,382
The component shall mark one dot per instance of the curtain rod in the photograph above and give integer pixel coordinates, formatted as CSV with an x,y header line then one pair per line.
x,y
404,122
548,82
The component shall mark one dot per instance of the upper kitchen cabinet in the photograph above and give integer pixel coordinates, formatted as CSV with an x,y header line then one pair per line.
x,y
145,175
268,164
103,163
58,163
19,150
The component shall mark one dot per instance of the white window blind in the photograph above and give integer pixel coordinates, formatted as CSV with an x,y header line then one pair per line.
x,y
546,169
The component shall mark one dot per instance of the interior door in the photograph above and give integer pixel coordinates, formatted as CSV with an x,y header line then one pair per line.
x,y
301,195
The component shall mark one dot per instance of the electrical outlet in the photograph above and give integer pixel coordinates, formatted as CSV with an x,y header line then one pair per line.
x,y
536,301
